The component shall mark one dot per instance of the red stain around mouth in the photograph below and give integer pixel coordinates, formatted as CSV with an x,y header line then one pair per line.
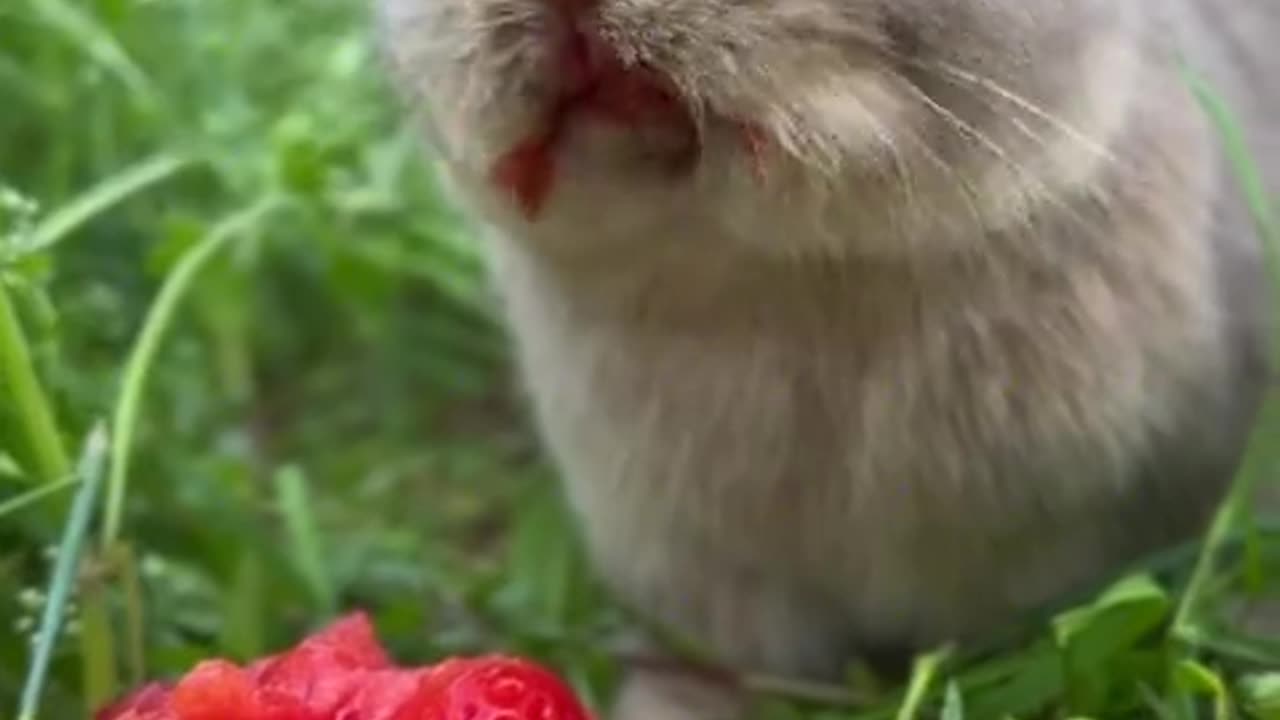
x,y
597,85
526,172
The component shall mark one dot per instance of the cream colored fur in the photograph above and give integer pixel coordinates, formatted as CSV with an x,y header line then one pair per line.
x,y
989,328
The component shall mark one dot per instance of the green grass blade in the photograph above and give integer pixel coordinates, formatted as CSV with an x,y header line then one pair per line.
x,y
99,677
1240,649
923,676
953,704
244,608
31,497
1201,680
1260,456
1260,695
295,503
101,197
1247,171
30,408
83,31
90,473
126,565
144,351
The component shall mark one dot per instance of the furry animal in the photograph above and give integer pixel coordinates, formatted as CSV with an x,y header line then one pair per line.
x,y
861,325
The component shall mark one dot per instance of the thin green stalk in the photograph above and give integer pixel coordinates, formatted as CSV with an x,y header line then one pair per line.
x,y
923,675
82,30
144,351
101,197
30,408
35,495
1182,628
294,500
1236,146
1259,457
125,563
64,573
100,680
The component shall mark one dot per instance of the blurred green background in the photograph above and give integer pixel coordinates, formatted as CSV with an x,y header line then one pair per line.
x,y
322,416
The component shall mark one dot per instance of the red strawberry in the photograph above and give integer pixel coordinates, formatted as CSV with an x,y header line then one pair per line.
x,y
214,690
324,671
350,642
492,688
384,695
342,673
219,690
311,678
149,702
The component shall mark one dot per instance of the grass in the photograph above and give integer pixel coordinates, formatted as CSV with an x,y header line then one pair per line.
x,y
219,240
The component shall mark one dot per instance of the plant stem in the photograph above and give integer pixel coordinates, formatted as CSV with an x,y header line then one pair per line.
x,y
1259,459
64,574
144,351
30,407
31,497
100,198
926,670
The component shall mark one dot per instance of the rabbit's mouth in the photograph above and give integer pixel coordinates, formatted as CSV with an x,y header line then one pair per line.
x,y
601,98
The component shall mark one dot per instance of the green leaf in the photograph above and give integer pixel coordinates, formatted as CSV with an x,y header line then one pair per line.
x,y
1094,637
1260,695
1028,682
923,675
304,539
953,704
547,570
1197,679
27,400
299,158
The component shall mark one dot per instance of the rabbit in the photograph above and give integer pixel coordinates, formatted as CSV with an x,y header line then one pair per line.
x,y
856,327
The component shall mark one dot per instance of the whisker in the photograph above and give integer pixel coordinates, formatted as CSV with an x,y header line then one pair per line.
x,y
1022,102
969,192
955,75
1038,186
1135,187
895,154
